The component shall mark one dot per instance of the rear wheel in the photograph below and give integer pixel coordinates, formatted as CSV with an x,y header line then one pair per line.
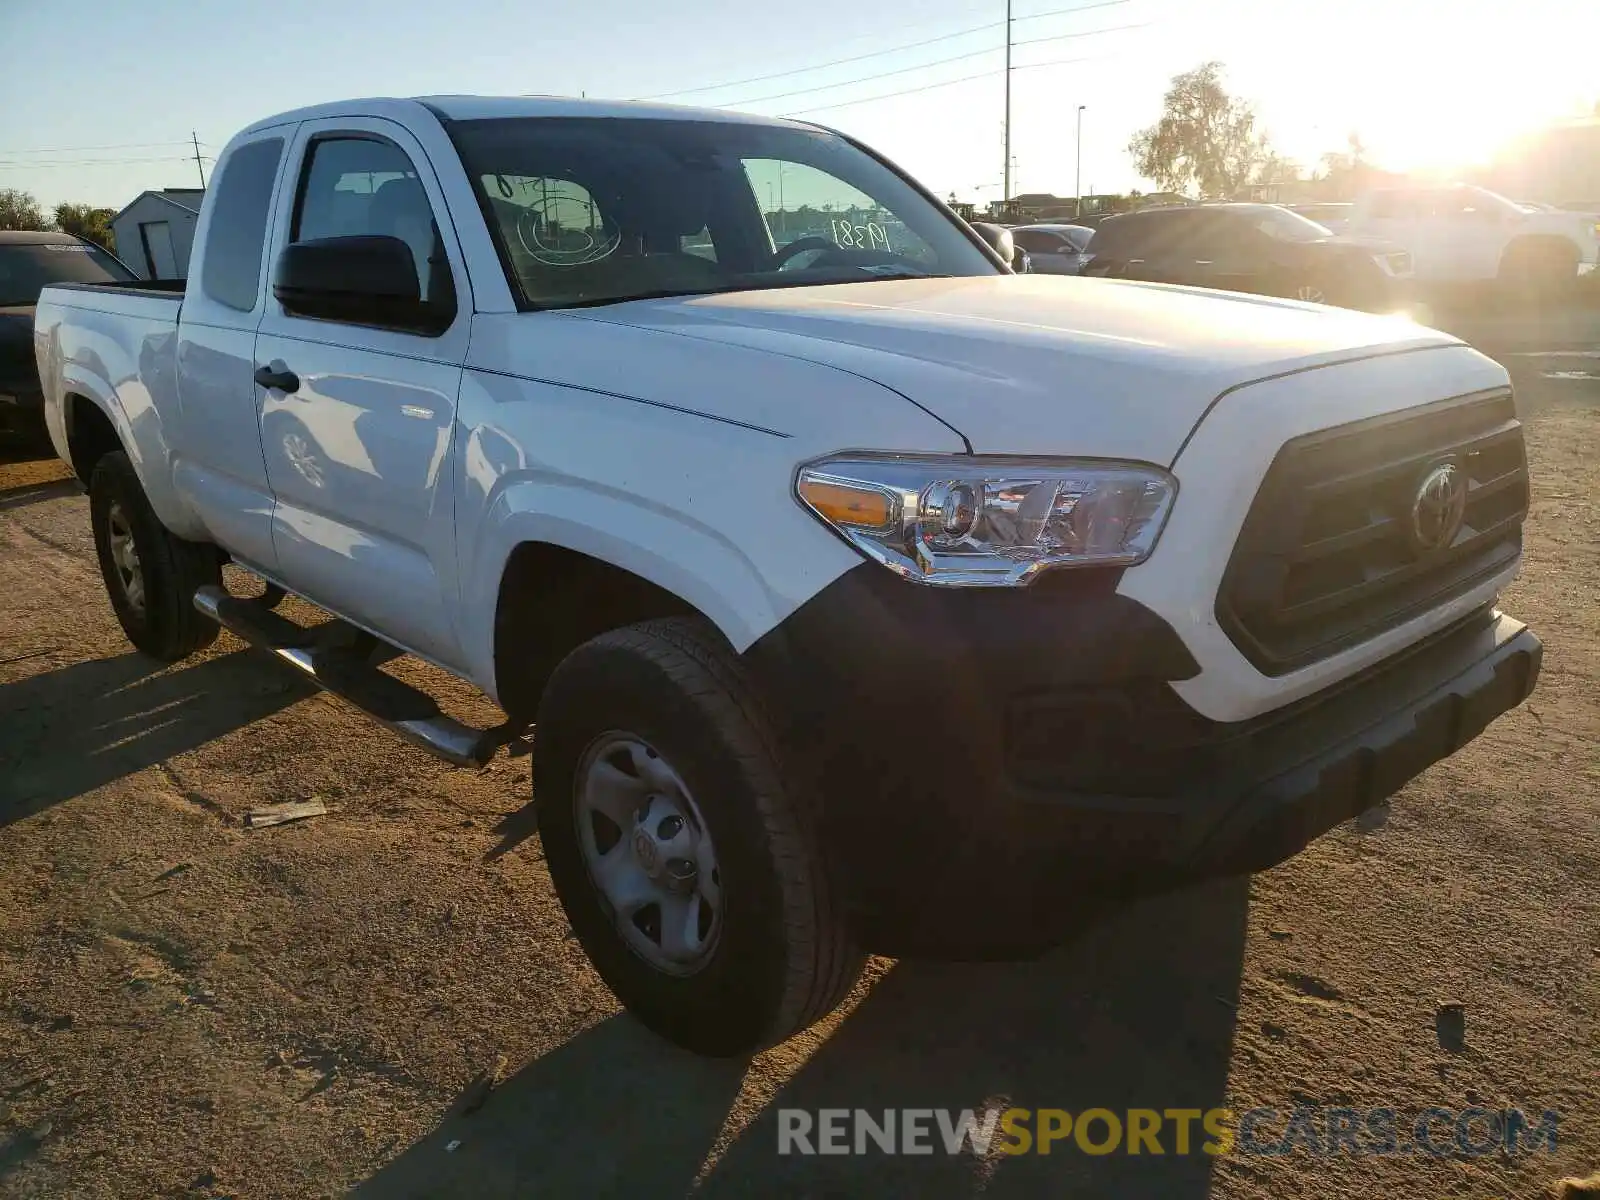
x,y
150,574
683,853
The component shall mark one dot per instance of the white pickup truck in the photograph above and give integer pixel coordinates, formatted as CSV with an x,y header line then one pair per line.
x,y
862,595
1469,235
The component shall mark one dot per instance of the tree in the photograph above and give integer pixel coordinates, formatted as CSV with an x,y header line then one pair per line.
x,y
1205,141
1345,172
1274,168
91,224
19,210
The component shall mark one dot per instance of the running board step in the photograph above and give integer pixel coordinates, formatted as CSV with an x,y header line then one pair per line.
x,y
354,678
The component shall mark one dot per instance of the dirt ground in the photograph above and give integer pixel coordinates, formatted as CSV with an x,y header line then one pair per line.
x,y
189,1007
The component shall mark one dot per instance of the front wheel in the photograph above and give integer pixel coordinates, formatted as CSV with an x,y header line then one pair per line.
x,y
684,854
150,574
1539,272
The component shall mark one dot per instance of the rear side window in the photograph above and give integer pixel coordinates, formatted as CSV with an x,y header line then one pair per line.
x,y
238,230
1038,241
1121,237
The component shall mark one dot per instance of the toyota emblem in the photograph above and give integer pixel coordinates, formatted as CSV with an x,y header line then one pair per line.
x,y
644,849
1439,508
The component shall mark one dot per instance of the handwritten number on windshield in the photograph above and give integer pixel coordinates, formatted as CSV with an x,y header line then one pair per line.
x,y
870,236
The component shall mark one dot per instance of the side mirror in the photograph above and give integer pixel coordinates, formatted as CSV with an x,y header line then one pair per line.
x,y
999,240
366,280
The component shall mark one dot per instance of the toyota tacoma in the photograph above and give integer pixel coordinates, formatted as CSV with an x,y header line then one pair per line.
x,y
857,593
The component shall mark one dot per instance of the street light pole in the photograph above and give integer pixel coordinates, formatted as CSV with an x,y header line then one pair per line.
x,y
1077,186
1006,190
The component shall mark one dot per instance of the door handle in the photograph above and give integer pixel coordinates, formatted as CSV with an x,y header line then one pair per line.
x,y
273,379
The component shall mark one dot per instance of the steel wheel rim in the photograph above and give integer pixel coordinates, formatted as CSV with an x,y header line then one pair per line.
x,y
1311,294
648,853
125,556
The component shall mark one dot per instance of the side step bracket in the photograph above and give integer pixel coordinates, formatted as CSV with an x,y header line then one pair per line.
x,y
353,677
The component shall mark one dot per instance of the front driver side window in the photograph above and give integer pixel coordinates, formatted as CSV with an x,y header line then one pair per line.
x,y
363,186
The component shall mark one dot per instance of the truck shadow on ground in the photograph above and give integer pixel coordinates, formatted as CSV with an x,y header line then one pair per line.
x,y
1135,1011
71,730
35,493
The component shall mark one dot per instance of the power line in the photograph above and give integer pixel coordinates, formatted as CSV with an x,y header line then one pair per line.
x,y
113,146
97,162
940,62
928,87
839,62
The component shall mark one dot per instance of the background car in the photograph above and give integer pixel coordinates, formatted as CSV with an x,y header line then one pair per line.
x,y
1331,215
28,262
1055,249
1258,248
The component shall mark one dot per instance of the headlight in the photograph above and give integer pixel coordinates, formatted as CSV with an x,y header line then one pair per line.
x,y
961,521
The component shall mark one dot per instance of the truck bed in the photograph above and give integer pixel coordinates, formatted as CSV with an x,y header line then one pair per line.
x,y
160,289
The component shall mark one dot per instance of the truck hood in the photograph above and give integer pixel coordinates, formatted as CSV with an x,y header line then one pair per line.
x,y
1039,364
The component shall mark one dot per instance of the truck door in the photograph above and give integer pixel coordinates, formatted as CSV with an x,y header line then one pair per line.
x,y
357,420
1470,231
1410,217
216,445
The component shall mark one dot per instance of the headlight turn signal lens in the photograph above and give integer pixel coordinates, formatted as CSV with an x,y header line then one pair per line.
x,y
964,521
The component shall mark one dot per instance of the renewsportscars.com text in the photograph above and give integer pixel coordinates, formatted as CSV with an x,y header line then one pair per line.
x,y
1320,1131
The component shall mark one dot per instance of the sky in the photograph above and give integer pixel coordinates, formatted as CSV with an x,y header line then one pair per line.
x,y
101,107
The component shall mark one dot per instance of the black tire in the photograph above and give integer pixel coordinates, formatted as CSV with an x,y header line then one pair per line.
x,y
166,625
784,958
1537,273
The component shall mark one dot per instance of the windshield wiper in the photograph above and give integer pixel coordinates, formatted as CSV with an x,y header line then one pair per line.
x,y
750,285
656,294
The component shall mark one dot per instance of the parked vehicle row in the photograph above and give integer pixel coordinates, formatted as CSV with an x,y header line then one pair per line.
x,y
865,597
1469,235
1055,249
1259,248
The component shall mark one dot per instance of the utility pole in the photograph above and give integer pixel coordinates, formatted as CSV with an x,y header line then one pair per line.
x,y
1077,186
198,165
1005,194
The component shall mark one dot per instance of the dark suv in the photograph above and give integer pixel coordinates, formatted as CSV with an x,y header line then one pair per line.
x,y
28,263
1258,248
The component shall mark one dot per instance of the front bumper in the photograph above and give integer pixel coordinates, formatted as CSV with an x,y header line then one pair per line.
x,y
983,775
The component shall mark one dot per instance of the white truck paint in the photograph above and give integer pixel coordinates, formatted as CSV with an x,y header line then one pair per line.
x,y
1465,234
401,458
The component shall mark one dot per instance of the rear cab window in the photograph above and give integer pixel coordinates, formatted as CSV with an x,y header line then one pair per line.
x,y
237,234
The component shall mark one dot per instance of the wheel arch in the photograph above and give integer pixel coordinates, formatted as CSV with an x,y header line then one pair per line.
x,y
539,542
1530,243
553,598
91,433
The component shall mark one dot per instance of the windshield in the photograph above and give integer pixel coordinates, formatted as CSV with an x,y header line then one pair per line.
x,y
1288,226
594,211
28,268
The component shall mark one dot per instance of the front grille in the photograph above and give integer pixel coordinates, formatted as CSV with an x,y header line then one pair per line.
x,y
1327,555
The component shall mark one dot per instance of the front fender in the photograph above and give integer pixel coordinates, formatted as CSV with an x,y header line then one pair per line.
x,y
701,565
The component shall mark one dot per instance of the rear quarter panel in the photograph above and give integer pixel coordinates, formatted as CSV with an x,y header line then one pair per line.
x,y
118,353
